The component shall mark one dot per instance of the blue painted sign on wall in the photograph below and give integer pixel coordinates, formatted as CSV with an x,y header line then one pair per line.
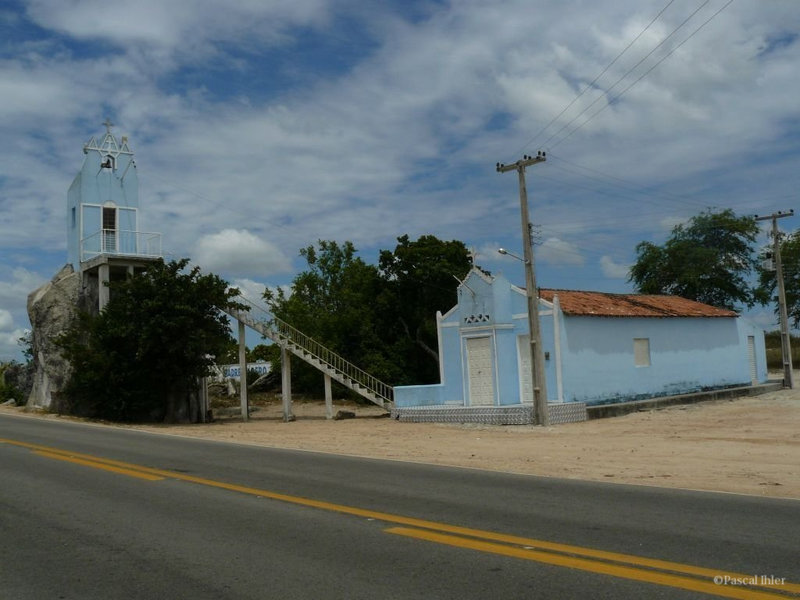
x,y
235,371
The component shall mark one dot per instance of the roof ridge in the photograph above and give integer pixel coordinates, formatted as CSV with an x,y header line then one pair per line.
x,y
617,294
586,291
652,307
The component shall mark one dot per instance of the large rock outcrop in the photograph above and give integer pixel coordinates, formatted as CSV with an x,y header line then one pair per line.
x,y
51,309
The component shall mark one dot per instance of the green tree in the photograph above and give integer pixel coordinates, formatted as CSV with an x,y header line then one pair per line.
x,y
26,343
333,301
421,278
382,319
16,379
262,352
709,259
767,289
141,357
230,354
11,375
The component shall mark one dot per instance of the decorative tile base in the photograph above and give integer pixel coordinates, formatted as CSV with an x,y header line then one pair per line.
x,y
566,412
518,414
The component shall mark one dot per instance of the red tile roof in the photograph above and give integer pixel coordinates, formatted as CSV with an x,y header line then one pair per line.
x,y
600,304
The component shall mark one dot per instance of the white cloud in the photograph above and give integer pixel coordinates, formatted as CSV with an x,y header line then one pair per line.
x,y
766,319
285,288
489,253
14,292
13,302
239,137
9,345
556,251
186,28
612,269
667,224
252,290
238,252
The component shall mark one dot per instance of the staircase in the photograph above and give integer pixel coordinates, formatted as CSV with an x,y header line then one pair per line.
x,y
314,353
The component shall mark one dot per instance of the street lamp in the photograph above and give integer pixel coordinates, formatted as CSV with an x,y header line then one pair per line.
x,y
505,252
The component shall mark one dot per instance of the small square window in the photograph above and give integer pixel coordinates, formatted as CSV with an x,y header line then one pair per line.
x,y
641,352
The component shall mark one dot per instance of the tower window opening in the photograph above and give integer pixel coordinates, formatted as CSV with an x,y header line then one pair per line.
x,y
109,218
109,229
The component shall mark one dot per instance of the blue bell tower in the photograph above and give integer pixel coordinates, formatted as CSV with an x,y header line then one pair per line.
x,y
103,236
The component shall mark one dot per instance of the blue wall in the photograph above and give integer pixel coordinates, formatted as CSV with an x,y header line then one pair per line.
x,y
452,389
686,354
94,187
484,308
596,354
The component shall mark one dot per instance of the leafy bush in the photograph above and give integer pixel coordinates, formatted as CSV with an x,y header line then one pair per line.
x,y
141,357
14,378
252,376
381,318
775,358
8,392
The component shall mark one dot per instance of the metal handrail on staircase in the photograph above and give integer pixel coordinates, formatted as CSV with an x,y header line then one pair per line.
x,y
313,352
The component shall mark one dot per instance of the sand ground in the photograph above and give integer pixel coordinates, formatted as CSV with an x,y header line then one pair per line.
x,y
749,445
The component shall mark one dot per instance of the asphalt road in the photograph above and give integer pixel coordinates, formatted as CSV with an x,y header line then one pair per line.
x,y
96,512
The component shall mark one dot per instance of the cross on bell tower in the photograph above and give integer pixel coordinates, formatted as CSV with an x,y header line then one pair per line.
x,y
473,255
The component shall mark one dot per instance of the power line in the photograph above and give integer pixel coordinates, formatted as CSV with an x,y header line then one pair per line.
x,y
618,96
625,182
628,193
628,196
614,217
603,72
628,72
632,188
584,249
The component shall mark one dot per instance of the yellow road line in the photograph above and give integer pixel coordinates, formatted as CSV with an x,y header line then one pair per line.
x,y
481,536
99,465
667,579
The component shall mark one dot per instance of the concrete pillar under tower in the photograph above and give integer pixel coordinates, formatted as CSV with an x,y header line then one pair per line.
x,y
328,397
243,374
286,384
103,292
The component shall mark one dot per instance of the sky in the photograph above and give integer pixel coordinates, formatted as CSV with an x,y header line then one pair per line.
x,y
260,127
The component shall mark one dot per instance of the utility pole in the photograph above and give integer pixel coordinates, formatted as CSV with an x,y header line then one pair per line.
x,y
786,346
538,381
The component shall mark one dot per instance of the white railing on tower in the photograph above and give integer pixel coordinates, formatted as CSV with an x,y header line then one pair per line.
x,y
121,243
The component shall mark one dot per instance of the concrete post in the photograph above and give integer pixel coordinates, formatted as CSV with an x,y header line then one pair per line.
x,y
786,343
203,399
328,397
243,374
286,384
538,378
104,292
